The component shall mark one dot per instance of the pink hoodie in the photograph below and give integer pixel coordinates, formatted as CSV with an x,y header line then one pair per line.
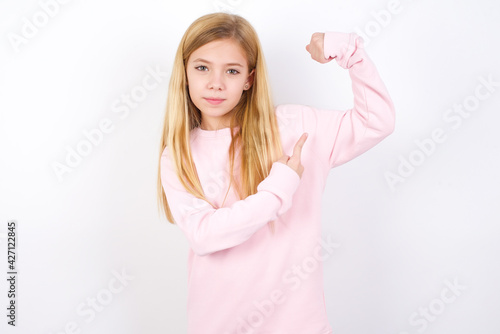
x,y
242,279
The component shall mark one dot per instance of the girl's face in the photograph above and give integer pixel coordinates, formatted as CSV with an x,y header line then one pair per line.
x,y
217,73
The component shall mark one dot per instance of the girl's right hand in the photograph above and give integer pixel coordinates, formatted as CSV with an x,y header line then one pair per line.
x,y
294,161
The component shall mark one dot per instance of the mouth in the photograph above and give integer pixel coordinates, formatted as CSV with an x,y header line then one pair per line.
x,y
213,100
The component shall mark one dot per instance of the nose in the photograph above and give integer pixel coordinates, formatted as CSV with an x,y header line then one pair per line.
x,y
216,81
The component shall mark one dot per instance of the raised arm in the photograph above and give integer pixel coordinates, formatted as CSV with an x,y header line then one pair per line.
x,y
340,136
208,229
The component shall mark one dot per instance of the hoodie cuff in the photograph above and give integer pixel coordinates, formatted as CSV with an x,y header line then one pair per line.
x,y
342,46
282,181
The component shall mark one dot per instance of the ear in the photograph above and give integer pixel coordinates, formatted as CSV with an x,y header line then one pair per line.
x,y
250,79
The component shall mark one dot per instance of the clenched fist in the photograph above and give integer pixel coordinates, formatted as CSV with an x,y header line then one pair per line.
x,y
316,48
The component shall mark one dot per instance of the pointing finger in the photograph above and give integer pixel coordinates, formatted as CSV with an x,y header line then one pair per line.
x,y
298,146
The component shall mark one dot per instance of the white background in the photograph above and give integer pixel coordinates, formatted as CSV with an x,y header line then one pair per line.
x,y
399,244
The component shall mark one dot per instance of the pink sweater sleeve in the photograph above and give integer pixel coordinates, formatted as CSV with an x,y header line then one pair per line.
x,y
339,136
208,229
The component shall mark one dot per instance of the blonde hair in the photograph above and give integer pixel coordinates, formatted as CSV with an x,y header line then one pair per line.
x,y
258,132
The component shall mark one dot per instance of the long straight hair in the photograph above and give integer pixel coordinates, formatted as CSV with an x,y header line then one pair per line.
x,y
258,135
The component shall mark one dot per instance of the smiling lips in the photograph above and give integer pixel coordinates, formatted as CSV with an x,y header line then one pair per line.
x,y
214,101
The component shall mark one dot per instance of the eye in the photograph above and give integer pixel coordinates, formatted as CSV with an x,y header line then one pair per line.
x,y
235,71
198,67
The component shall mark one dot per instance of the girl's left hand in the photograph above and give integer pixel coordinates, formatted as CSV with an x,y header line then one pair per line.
x,y
315,48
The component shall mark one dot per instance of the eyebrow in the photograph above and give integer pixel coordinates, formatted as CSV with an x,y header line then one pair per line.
x,y
206,61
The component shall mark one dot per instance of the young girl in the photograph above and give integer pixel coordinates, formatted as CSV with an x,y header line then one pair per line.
x,y
251,212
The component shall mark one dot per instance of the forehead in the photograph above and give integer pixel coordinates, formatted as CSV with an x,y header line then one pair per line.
x,y
220,52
